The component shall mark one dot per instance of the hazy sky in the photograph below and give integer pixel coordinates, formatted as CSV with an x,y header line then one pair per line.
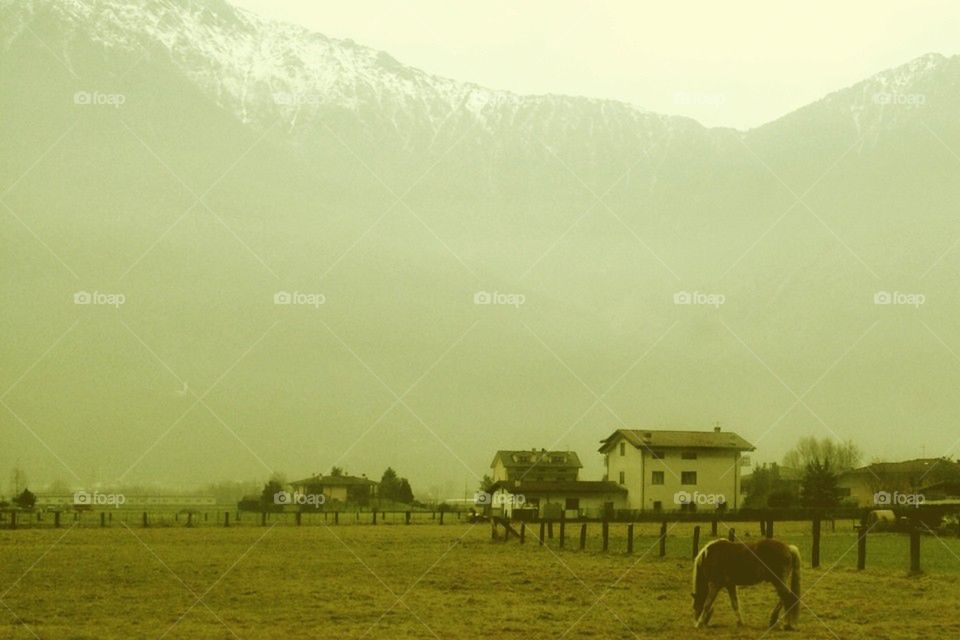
x,y
734,64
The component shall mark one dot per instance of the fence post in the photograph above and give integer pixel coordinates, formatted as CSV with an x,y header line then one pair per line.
x,y
763,528
375,521
56,519
441,517
815,549
190,519
13,519
523,531
226,518
263,518
769,528
915,548
583,536
406,517
663,538
299,517
563,527
713,527
731,535
861,547
630,538
542,526
696,540
146,521
336,517
550,529
606,534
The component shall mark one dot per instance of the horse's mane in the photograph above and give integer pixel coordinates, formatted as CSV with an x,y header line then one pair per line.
x,y
698,579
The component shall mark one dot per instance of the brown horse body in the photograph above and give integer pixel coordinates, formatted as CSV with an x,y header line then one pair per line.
x,y
723,564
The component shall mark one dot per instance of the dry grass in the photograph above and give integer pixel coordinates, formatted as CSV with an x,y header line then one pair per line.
x,y
429,581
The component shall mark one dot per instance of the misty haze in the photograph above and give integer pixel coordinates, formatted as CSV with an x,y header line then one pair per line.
x,y
304,338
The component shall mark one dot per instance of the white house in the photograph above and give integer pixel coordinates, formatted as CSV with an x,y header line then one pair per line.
x,y
676,469
547,499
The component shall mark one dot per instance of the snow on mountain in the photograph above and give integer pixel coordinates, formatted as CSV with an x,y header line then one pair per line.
x,y
261,69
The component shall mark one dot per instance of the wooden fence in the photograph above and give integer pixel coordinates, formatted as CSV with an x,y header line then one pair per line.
x,y
913,532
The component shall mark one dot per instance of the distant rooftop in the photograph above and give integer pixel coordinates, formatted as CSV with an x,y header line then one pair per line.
x,y
934,468
332,481
539,457
677,438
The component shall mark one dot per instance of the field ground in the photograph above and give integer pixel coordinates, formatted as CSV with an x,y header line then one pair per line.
x,y
421,581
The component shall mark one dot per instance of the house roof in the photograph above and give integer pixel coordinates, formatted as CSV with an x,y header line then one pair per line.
x,y
932,469
686,439
333,481
559,486
536,457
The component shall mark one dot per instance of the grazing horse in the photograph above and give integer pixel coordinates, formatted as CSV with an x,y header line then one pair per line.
x,y
723,564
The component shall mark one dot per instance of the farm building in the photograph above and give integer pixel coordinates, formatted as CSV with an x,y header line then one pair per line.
x,y
664,470
533,464
337,488
934,476
546,499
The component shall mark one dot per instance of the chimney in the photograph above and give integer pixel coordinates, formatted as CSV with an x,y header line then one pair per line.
x,y
716,429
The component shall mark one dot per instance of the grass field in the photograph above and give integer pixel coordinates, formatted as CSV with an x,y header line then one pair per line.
x,y
425,581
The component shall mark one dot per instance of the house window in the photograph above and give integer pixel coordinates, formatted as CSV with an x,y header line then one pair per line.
x,y
623,478
657,454
688,477
572,504
657,477
657,505
623,448
688,455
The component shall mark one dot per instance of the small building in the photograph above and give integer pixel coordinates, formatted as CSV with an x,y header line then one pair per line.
x,y
546,499
924,476
676,470
340,488
533,464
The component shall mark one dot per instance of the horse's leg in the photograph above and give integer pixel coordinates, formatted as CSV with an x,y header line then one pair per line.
x,y
735,603
775,616
704,619
789,602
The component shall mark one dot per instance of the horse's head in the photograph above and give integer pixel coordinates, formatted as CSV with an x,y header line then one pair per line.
x,y
698,599
699,594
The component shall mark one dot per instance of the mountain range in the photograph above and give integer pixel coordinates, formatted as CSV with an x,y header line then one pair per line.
x,y
488,270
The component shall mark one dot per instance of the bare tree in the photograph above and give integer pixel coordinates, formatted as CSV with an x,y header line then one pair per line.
x,y
18,479
835,455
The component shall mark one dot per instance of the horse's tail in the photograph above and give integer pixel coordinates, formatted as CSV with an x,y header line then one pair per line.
x,y
794,611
